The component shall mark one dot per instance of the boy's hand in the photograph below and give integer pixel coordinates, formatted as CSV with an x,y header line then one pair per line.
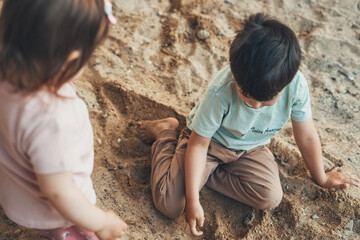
x,y
194,215
337,178
113,227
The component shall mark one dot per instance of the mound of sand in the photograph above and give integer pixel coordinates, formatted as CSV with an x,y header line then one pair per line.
x,y
158,61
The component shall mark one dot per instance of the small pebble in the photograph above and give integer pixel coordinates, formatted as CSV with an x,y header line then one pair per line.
x,y
118,140
228,2
99,140
203,34
315,217
349,76
105,115
349,226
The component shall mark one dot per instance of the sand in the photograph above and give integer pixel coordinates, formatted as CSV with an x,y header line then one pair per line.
x,y
154,65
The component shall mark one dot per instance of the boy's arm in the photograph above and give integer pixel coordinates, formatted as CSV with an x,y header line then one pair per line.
x,y
308,141
195,160
70,202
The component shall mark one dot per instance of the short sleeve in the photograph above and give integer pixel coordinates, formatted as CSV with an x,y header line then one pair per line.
x,y
52,147
208,114
301,107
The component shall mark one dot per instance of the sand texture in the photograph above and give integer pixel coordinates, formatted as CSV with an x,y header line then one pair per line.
x,y
157,62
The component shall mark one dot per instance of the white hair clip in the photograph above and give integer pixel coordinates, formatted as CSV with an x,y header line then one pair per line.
x,y
108,12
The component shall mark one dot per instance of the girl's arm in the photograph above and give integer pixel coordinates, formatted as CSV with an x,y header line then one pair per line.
x,y
195,160
308,141
69,201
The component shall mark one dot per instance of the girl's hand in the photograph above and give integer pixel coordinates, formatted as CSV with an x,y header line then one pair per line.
x,y
71,203
337,178
113,227
194,215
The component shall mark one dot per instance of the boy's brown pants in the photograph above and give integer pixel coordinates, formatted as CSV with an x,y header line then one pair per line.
x,y
250,177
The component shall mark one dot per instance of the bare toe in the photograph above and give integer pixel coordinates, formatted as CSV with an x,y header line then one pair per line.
x,y
150,130
145,136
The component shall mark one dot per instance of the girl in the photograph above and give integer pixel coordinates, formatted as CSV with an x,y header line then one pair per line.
x,y
46,140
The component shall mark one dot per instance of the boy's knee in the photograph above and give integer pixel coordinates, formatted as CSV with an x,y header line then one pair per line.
x,y
266,197
269,198
170,208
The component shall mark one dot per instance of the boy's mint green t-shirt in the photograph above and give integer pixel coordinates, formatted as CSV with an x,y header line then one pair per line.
x,y
224,116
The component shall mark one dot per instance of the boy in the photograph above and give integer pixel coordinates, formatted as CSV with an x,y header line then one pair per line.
x,y
225,143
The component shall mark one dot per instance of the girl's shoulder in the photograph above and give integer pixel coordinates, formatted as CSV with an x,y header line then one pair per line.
x,y
41,109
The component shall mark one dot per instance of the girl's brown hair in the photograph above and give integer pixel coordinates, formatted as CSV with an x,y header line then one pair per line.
x,y
37,37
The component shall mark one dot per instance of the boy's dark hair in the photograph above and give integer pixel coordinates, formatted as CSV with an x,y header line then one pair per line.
x,y
37,37
264,57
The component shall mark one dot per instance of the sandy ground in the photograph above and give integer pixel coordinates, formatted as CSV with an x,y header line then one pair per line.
x,y
155,65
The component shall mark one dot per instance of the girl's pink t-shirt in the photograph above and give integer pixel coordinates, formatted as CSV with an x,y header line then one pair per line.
x,y
42,134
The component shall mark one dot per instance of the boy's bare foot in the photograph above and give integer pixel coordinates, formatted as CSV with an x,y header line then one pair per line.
x,y
151,129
